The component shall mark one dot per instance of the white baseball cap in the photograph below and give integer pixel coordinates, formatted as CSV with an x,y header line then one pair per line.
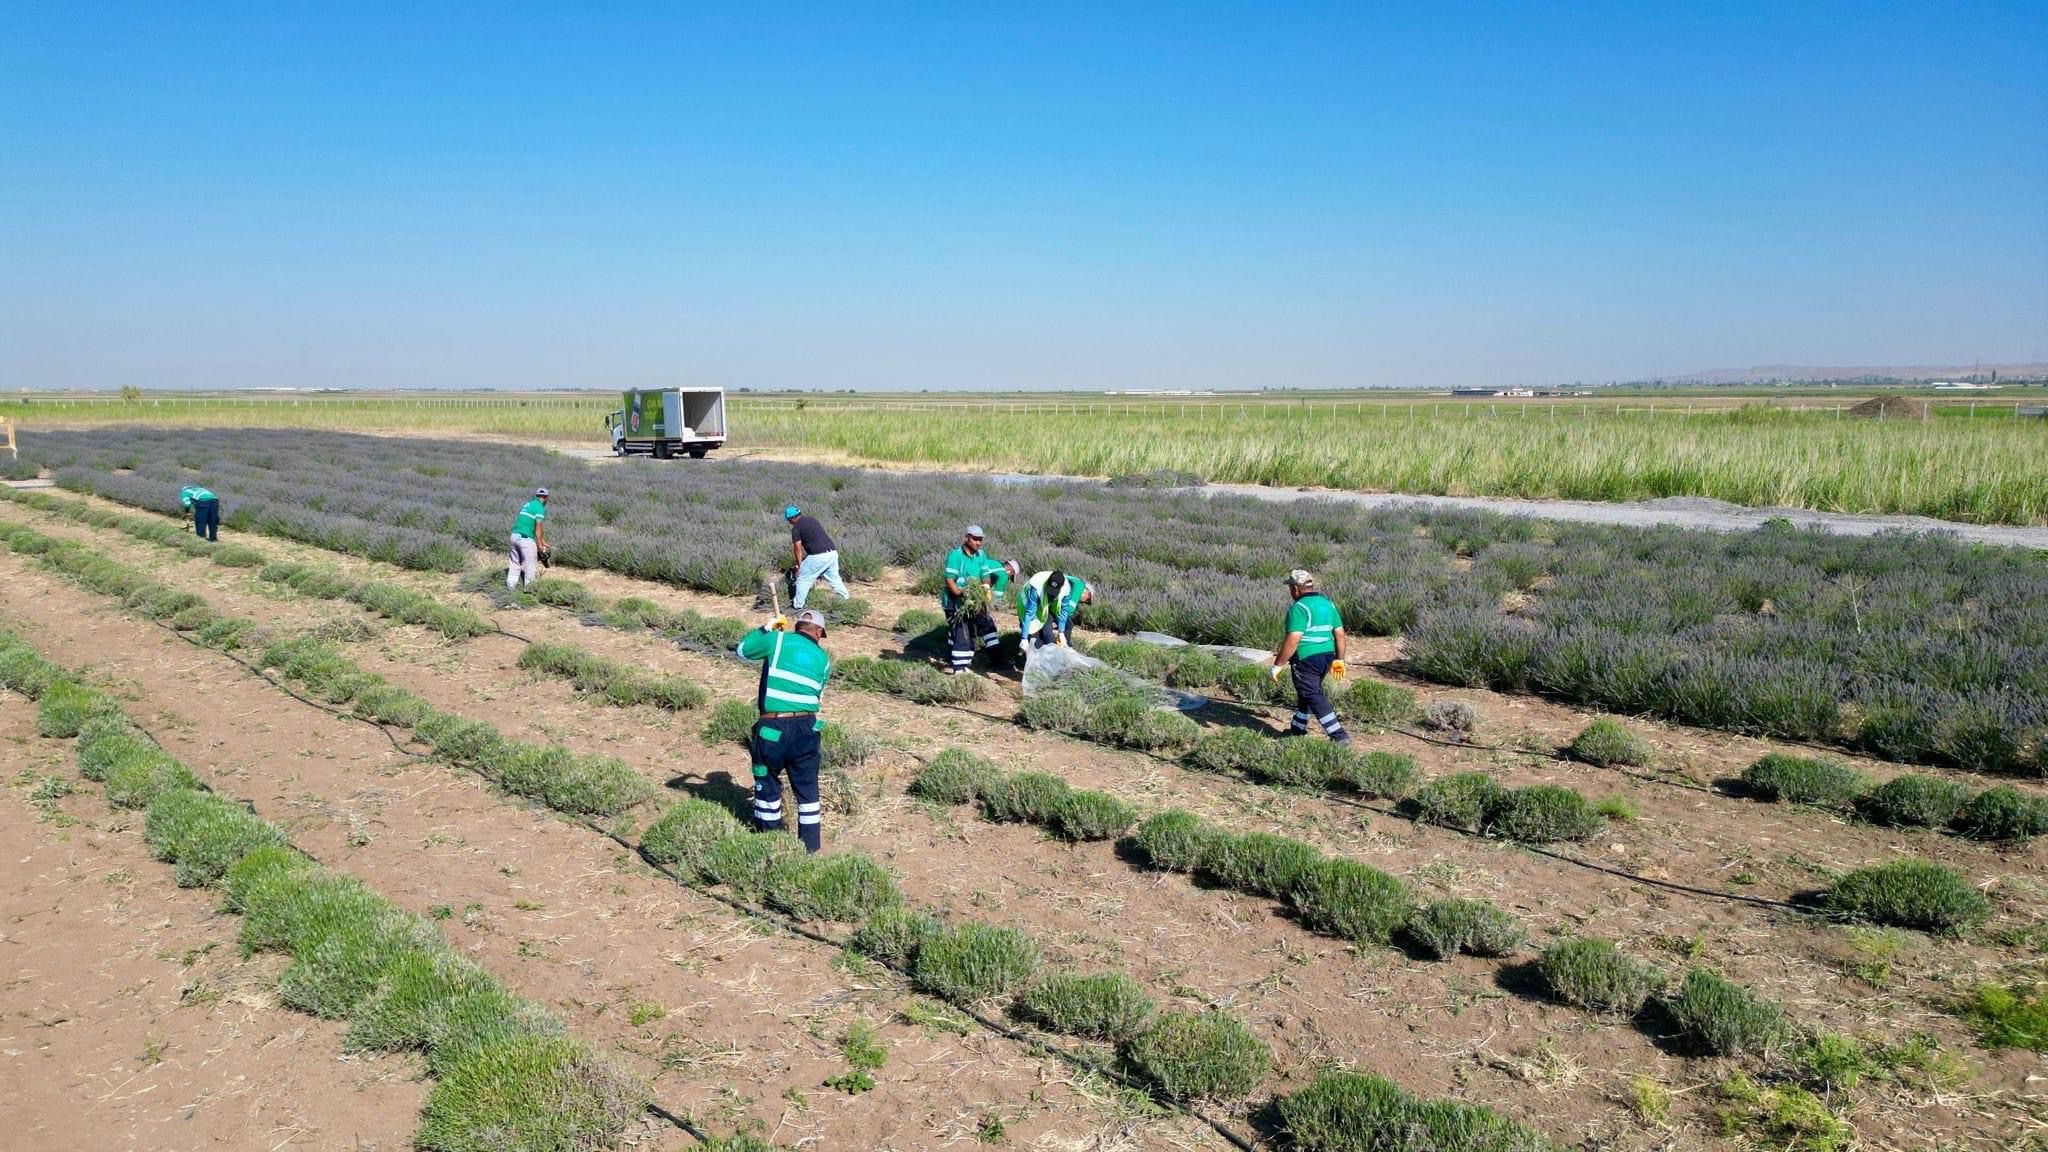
x,y
1301,578
812,616
974,530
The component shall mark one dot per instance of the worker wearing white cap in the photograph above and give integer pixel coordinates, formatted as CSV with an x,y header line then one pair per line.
x,y
1314,648
529,542
786,740
969,621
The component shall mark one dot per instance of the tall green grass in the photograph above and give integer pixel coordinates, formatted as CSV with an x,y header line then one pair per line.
x,y
1983,470
1952,466
1986,471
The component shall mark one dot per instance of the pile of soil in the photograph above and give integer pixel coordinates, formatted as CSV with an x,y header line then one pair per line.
x,y
1891,407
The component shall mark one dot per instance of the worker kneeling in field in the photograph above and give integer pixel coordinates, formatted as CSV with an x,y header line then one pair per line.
x,y
794,668
973,580
529,542
1046,604
1314,648
205,509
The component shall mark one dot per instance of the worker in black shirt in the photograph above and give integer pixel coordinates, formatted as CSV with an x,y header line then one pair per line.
x,y
815,555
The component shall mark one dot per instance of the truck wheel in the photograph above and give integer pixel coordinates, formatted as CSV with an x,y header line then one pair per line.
x,y
661,450
697,451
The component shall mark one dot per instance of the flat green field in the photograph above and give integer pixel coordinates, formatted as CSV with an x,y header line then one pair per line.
x,y
1970,461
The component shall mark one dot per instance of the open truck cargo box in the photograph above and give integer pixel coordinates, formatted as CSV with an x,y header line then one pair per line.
x,y
665,422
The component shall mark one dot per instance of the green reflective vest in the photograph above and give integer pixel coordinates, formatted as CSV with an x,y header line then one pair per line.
x,y
793,670
1032,610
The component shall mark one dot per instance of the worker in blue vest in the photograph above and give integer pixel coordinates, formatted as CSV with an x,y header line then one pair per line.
x,y
1313,649
1046,604
786,739
204,508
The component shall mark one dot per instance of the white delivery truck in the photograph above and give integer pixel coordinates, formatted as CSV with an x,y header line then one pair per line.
x,y
667,422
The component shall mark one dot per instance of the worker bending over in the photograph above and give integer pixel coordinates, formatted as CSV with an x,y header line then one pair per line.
x,y
794,668
1314,648
973,580
205,509
529,541
1046,604
814,553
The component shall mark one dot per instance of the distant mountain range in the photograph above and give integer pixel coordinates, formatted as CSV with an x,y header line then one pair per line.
x,y
1800,373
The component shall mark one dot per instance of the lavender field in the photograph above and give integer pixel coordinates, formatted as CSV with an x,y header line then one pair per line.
x,y
1918,649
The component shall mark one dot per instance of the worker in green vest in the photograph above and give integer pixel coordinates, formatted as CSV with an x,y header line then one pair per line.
x,y
204,508
785,740
1313,649
529,541
1046,604
969,621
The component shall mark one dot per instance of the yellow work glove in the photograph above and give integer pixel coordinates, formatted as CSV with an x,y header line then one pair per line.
x,y
779,624
1274,674
1337,668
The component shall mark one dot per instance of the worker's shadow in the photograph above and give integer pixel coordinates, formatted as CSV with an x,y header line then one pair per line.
x,y
719,788
1219,713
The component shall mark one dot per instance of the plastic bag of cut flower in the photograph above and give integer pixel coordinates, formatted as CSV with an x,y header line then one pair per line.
x,y
1241,653
1046,664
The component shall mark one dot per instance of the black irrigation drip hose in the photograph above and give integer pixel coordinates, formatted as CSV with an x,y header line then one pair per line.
x,y
151,736
1634,878
501,630
1538,849
802,931
763,915
681,1123
792,926
288,690
1667,885
1397,667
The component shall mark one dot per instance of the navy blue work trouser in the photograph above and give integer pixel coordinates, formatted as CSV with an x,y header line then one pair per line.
x,y
791,745
206,519
1310,701
965,633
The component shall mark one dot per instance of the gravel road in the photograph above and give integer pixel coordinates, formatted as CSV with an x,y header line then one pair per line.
x,y
1683,511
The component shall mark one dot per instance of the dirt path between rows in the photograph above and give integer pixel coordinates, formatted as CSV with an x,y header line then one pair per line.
x,y
129,1018
733,1025
1437,1027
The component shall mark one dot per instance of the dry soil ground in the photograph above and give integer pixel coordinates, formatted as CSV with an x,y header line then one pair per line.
x,y
733,1023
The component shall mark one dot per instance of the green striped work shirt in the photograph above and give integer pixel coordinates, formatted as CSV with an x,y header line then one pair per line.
x,y
1316,618
793,669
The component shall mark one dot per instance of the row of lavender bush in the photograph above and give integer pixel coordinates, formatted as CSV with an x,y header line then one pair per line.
x,y
1919,649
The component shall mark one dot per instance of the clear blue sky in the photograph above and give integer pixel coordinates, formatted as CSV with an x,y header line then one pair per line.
x,y
1030,195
